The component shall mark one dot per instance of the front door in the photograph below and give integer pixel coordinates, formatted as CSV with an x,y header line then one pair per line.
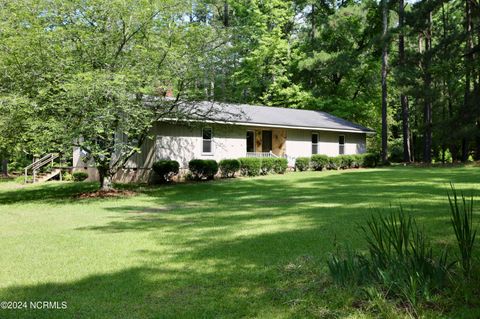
x,y
266,141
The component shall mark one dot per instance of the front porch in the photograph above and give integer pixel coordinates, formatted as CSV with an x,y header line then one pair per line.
x,y
265,142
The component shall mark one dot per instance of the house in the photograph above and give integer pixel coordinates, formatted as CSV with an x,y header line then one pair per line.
x,y
219,131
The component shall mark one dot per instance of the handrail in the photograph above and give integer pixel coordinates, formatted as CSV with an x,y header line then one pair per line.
x,y
49,158
43,158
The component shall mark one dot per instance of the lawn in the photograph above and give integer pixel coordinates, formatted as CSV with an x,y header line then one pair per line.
x,y
249,247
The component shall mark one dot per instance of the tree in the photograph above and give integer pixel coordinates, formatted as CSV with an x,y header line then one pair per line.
x,y
100,61
385,15
403,98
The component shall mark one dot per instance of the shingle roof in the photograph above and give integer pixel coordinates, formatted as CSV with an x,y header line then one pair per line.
x,y
245,114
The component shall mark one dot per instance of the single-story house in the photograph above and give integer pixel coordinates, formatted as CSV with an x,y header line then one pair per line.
x,y
236,130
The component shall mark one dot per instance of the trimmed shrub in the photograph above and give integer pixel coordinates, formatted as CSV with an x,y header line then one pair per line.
x,y
345,161
302,164
166,169
371,159
228,167
203,169
250,166
79,176
267,165
357,160
319,162
280,165
333,163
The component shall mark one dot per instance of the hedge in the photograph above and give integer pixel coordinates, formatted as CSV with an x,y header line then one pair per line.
x,y
319,162
267,165
203,169
280,165
228,167
302,164
166,169
250,166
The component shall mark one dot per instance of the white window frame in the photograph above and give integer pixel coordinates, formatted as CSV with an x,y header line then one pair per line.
x,y
211,140
316,144
341,145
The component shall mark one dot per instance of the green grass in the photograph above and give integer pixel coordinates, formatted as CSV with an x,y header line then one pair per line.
x,y
250,247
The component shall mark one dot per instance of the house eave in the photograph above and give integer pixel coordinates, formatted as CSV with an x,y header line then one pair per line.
x,y
308,128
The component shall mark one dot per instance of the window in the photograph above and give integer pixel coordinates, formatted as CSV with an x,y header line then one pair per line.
x,y
314,143
250,141
341,144
207,140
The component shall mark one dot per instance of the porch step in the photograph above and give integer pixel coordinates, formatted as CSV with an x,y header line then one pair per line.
x,y
47,176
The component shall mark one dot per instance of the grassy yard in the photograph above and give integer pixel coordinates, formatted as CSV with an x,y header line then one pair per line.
x,y
250,247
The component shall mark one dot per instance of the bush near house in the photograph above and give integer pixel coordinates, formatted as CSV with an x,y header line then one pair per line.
x,y
228,167
250,166
79,176
280,165
267,165
345,161
203,169
371,159
166,169
302,164
319,162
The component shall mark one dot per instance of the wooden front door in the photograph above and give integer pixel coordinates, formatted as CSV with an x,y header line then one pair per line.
x,y
266,141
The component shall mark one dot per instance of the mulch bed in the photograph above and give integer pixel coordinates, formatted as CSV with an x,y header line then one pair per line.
x,y
105,194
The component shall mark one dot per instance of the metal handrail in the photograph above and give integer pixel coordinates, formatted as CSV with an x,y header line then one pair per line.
x,y
42,159
49,158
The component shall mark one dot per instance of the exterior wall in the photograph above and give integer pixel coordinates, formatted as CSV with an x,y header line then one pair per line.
x,y
184,143
299,143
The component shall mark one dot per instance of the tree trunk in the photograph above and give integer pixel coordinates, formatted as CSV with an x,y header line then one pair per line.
x,y
106,183
468,65
407,157
5,167
384,81
427,110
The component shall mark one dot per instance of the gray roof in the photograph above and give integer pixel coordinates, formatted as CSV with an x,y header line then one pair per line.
x,y
256,115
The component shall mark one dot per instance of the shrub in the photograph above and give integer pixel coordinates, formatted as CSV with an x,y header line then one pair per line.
x,y
229,167
250,166
357,160
333,163
345,161
318,162
166,169
280,165
302,164
267,165
67,177
203,169
371,159
79,176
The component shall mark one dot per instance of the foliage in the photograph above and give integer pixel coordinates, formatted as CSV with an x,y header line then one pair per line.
x,y
371,159
462,223
203,169
319,162
166,169
79,176
334,162
280,165
267,164
250,166
348,268
228,167
302,163
67,177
